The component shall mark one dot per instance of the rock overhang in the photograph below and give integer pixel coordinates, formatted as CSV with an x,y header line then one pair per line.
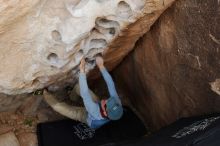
x,y
43,41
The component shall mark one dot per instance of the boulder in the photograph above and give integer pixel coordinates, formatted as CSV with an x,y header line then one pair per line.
x,y
174,70
43,41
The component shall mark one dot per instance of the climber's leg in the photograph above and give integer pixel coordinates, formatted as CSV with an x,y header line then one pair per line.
x,y
72,112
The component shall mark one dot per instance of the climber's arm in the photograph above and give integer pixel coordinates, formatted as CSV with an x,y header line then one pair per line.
x,y
110,84
108,79
91,106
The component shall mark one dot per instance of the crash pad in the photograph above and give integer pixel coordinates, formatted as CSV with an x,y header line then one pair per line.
x,y
72,133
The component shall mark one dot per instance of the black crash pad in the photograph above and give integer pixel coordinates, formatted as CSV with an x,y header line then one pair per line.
x,y
194,131
73,133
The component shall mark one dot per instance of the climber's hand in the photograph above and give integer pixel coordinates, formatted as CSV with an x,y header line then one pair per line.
x,y
100,62
82,65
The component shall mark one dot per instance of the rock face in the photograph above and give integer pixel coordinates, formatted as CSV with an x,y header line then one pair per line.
x,y
28,139
174,70
9,139
42,41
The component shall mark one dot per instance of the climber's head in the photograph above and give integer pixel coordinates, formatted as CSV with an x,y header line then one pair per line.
x,y
112,109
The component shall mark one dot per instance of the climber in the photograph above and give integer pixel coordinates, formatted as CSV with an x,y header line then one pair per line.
x,y
95,113
99,112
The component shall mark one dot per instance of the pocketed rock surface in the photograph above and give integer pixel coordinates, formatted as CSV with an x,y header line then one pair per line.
x,y
43,41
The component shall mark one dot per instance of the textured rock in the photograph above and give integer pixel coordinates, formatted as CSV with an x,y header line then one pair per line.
x,y
27,139
9,139
5,129
11,103
216,86
174,70
17,123
42,41
31,105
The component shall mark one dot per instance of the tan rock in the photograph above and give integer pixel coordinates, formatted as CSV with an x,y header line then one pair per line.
x,y
27,139
9,139
215,86
11,103
31,105
5,129
42,41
